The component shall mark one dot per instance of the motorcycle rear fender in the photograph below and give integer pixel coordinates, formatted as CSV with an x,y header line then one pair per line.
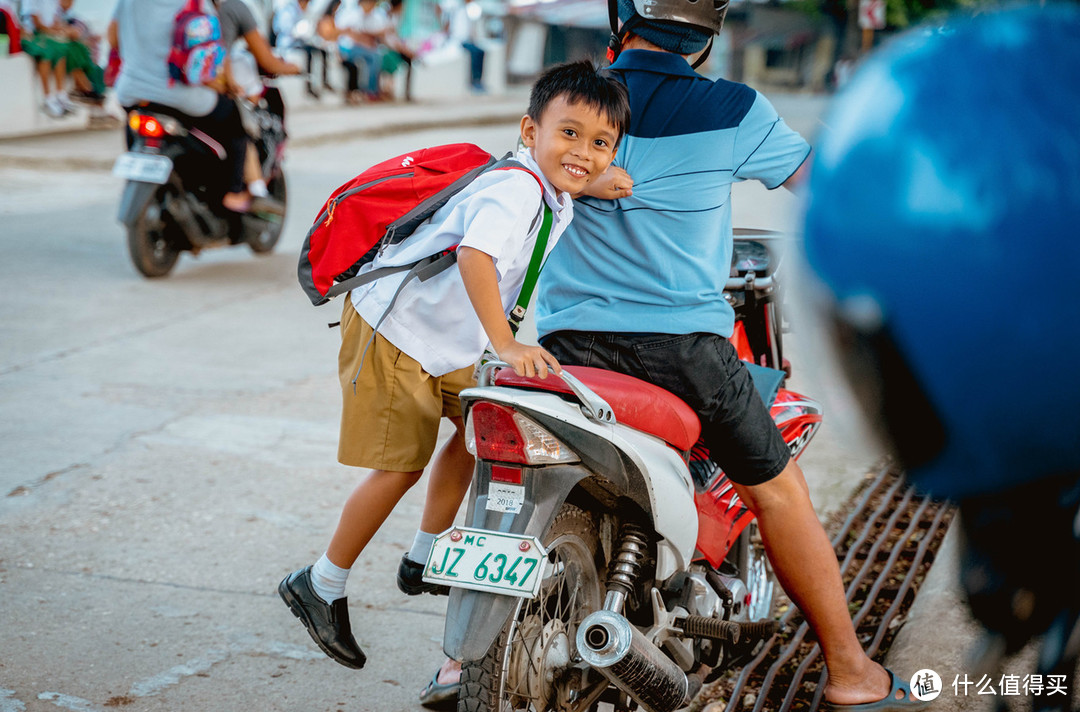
x,y
615,456
611,470
136,195
474,618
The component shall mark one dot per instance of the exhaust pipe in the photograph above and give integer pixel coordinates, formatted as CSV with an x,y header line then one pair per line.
x,y
618,650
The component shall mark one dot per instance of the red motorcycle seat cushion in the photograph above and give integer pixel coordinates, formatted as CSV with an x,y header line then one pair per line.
x,y
636,403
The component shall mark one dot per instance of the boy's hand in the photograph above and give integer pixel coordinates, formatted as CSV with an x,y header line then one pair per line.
x,y
528,360
614,183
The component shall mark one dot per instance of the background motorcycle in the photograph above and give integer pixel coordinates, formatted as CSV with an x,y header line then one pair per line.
x,y
172,200
604,557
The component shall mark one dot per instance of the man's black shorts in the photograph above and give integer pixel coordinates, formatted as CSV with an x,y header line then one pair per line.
x,y
705,371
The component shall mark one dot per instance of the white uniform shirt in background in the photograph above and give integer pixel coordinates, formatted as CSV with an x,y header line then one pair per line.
x,y
350,16
48,11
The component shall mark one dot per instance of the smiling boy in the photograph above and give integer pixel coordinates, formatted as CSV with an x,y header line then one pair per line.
x,y
398,381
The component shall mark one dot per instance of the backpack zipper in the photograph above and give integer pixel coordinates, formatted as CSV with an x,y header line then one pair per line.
x,y
328,214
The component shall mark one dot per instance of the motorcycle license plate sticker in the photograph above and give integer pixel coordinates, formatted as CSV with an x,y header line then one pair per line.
x,y
505,498
143,167
489,561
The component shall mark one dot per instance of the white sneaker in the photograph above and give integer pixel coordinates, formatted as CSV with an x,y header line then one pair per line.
x,y
65,102
53,107
258,189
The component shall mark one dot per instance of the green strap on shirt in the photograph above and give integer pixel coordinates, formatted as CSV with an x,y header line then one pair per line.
x,y
532,274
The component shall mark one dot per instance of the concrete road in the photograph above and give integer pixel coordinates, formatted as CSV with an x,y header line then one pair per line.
x,y
167,454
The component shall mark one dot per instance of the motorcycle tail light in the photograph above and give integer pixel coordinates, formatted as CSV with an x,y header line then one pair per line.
x,y
497,432
146,126
153,126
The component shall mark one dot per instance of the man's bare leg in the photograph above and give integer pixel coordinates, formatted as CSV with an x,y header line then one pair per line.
x,y
806,566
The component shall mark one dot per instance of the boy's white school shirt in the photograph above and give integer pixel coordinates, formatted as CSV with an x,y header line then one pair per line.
x,y
434,321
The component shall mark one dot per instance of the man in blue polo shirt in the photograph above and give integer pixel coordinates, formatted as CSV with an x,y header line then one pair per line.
x,y
636,286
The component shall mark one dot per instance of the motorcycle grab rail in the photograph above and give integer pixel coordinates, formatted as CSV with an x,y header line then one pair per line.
x,y
595,407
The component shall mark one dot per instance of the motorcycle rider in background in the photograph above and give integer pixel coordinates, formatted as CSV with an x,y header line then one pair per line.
x,y
917,233
144,30
243,68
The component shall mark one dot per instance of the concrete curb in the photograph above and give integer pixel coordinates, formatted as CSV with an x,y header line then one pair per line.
x,y
84,163
87,148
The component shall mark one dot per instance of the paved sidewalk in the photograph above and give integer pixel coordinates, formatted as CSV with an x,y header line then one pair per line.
x,y
308,125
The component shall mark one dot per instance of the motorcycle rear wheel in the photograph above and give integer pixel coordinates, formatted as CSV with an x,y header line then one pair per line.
x,y
264,238
533,664
152,251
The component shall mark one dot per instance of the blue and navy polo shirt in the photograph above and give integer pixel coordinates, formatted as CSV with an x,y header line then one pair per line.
x,y
657,262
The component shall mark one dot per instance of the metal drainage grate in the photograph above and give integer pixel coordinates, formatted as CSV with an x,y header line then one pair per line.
x,y
885,544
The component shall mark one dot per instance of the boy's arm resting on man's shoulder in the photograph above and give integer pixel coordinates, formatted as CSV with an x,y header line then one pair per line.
x,y
482,285
614,183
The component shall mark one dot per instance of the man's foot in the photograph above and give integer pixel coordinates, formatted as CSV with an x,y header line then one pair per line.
x,y
410,579
442,691
327,623
237,202
897,699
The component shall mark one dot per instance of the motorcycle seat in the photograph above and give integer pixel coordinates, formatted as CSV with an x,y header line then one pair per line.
x,y
636,403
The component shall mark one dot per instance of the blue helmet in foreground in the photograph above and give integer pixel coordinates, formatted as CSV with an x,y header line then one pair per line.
x,y
944,221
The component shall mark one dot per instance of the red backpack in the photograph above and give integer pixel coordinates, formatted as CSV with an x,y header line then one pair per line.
x,y
383,206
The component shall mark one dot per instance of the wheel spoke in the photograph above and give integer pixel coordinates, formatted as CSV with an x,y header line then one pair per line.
x,y
543,631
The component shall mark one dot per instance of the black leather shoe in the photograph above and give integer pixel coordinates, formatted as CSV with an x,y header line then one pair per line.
x,y
410,579
327,623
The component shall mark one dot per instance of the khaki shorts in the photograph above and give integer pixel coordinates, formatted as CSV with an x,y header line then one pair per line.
x,y
390,420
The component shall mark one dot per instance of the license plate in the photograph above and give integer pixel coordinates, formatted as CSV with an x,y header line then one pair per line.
x,y
143,167
484,560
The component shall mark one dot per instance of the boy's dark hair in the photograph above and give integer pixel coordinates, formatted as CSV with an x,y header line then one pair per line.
x,y
581,82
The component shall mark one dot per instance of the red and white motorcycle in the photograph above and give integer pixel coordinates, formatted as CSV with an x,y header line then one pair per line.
x,y
604,557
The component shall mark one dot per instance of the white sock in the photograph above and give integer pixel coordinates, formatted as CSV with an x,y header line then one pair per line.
x,y
421,547
328,580
258,188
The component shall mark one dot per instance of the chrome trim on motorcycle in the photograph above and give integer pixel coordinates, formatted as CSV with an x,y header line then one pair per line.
x,y
595,407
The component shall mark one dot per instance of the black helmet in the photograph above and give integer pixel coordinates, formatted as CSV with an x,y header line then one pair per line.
x,y
681,26
706,14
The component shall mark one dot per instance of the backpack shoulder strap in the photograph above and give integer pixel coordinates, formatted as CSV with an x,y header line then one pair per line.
x,y
532,274
536,262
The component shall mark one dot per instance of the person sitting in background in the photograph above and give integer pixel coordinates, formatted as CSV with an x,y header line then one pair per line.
x,y
296,30
397,52
45,43
82,49
362,28
464,29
